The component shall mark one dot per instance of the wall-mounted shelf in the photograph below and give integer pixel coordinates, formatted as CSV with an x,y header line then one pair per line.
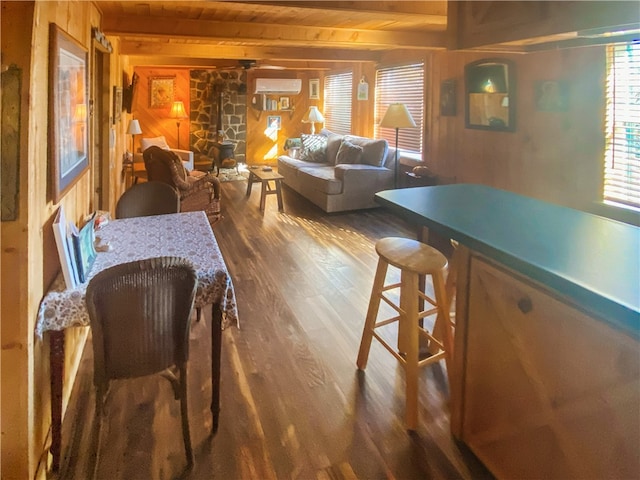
x,y
265,103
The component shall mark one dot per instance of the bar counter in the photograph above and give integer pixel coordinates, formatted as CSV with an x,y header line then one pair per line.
x,y
545,375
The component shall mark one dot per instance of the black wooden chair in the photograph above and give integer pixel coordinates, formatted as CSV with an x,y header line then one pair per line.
x,y
148,198
140,318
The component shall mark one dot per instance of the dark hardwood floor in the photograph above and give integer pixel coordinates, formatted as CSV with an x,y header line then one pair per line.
x,y
293,403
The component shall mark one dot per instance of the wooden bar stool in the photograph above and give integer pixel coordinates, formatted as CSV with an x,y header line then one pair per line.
x,y
413,259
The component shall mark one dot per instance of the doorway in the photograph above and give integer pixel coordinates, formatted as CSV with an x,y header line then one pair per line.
x,y
101,128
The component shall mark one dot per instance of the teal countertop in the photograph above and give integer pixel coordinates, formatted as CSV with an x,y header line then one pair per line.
x,y
590,259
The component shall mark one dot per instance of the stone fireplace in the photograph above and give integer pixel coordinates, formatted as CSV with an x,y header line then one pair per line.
x,y
218,111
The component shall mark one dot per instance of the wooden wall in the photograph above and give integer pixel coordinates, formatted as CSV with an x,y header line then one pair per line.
x,y
156,121
553,156
29,258
264,144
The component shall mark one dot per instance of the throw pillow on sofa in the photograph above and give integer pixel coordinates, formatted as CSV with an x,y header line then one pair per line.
x,y
374,151
348,153
314,148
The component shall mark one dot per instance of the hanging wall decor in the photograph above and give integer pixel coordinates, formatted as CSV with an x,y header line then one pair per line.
x,y
363,90
161,91
117,104
314,89
68,98
448,98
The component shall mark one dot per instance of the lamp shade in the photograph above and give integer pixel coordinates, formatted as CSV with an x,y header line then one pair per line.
x,y
314,115
397,116
177,110
134,128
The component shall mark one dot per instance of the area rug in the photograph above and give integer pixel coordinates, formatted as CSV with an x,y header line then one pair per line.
x,y
231,175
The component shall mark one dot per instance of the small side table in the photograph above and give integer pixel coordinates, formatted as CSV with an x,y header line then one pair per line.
x,y
257,174
413,180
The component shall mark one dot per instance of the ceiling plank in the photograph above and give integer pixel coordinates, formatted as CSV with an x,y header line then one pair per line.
x,y
259,34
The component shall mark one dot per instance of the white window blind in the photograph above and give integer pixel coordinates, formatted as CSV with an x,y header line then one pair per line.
x,y
401,84
622,124
337,102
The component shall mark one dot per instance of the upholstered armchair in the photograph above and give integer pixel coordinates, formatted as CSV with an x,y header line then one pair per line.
x,y
198,190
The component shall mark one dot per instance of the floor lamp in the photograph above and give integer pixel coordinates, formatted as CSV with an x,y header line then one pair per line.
x,y
133,130
178,112
397,116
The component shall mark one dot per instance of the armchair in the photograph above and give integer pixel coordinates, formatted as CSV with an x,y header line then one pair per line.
x,y
197,190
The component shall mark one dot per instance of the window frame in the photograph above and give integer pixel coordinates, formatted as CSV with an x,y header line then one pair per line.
x,y
410,140
620,192
337,114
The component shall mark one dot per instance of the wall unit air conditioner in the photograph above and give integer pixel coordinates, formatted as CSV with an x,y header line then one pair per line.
x,y
292,86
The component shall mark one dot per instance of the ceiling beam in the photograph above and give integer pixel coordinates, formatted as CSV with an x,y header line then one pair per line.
x,y
285,35
191,63
435,9
167,47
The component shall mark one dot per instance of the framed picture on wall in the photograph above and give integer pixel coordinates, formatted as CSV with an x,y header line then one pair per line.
x,y
552,96
284,103
161,91
314,89
274,122
68,98
448,98
117,104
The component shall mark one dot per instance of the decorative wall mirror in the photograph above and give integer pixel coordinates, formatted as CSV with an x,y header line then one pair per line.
x,y
490,95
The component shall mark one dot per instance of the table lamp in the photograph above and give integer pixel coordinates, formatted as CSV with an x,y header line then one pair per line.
x,y
133,130
397,116
313,116
178,112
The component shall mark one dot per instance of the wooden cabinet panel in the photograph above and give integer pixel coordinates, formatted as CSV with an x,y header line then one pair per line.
x,y
548,391
481,23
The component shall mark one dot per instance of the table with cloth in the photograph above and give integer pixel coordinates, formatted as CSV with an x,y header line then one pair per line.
x,y
186,235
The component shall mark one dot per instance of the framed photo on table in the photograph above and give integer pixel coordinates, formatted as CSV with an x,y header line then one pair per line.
x,y
161,91
68,98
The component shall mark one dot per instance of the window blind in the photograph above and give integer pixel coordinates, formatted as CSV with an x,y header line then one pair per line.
x,y
622,125
338,90
401,84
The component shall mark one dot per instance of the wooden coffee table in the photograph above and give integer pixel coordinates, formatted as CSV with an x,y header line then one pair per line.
x,y
257,174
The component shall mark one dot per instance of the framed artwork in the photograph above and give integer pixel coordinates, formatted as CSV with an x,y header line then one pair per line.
x,y
314,89
274,122
68,98
161,91
284,103
448,98
363,90
552,96
117,104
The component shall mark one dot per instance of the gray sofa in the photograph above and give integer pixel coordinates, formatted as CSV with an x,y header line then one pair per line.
x,y
339,173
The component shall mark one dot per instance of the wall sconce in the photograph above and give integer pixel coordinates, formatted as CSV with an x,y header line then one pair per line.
x,y
178,112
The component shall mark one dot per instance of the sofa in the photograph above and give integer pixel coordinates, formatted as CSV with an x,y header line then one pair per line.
x,y
339,172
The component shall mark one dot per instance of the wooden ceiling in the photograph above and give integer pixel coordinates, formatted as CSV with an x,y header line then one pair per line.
x,y
319,34
290,34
